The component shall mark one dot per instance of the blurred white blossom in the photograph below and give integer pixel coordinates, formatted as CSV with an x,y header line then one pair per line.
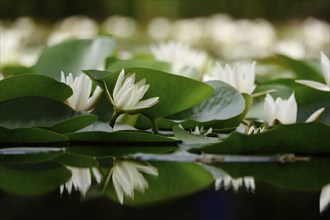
x,y
180,55
73,27
119,26
241,76
160,28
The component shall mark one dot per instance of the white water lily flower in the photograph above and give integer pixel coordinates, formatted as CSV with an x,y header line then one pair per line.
x,y
241,76
81,180
201,131
254,130
325,64
127,177
180,55
284,111
325,198
127,95
81,87
227,182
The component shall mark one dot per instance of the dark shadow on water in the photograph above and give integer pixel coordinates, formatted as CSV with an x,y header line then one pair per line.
x,y
266,203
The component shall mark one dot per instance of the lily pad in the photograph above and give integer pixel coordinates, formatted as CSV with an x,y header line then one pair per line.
x,y
30,136
33,85
33,111
74,55
119,137
176,93
74,160
114,64
310,100
294,138
74,124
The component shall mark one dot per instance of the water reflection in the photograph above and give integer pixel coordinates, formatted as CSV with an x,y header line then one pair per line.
x,y
127,176
100,171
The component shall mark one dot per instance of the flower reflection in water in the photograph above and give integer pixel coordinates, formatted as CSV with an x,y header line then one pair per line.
x,y
226,182
325,198
81,180
127,176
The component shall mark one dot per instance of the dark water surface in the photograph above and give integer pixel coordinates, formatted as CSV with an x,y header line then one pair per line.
x,y
266,203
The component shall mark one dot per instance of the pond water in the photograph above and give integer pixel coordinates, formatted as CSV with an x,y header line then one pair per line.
x,y
35,184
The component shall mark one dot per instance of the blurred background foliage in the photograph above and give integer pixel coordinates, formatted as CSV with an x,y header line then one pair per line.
x,y
144,10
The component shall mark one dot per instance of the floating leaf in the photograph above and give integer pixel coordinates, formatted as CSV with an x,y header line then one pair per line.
x,y
74,124
176,93
301,68
294,138
33,111
74,55
310,100
119,137
33,85
29,136
74,160
114,64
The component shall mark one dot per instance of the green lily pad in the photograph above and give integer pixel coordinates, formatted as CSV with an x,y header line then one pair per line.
x,y
119,151
307,175
32,111
74,55
189,138
176,93
30,136
29,154
294,138
32,178
310,100
74,124
174,180
119,137
301,68
114,64
33,85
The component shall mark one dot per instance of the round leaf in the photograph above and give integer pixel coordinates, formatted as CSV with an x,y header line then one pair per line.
x,y
74,55
33,85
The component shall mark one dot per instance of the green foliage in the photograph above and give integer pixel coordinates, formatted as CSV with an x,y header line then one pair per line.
x,y
73,56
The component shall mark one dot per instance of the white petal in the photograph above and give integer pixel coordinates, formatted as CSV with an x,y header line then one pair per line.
x,y
147,103
93,99
269,110
119,83
325,198
314,85
325,64
290,114
315,115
